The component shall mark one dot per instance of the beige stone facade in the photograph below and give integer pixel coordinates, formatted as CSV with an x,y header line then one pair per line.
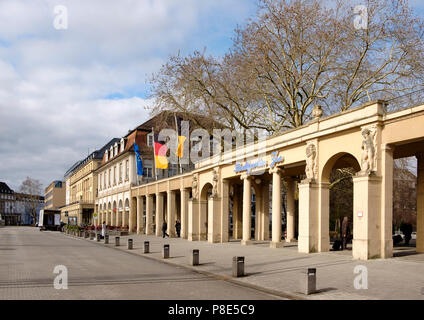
x,y
54,196
366,138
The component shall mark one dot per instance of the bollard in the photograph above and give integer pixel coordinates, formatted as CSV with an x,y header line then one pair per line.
x,y
116,241
130,244
165,252
81,234
195,257
238,267
106,239
146,246
99,237
91,236
85,234
309,284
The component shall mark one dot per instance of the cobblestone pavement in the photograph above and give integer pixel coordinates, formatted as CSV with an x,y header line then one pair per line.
x,y
282,270
28,258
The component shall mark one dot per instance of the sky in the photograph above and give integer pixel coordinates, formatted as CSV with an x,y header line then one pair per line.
x,y
67,92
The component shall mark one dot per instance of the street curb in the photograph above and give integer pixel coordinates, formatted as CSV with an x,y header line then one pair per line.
x,y
281,294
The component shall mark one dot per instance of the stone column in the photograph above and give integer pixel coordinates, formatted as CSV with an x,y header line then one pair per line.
x,y
324,217
237,213
193,220
420,203
132,223
387,202
119,217
184,213
247,198
225,210
366,217
265,210
276,208
159,214
149,215
138,203
291,185
171,212
308,217
214,220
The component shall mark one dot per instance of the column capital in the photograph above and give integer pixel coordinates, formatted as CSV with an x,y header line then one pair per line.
x,y
245,176
276,170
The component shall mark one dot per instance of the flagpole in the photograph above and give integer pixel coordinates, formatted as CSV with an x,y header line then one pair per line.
x,y
154,157
178,143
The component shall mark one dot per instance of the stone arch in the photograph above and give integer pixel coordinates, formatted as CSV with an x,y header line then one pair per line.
x,y
329,205
339,160
205,193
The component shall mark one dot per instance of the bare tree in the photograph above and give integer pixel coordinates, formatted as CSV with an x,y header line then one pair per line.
x,y
30,190
293,55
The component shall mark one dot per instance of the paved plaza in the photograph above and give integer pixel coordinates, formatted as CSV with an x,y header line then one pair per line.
x,y
28,258
99,271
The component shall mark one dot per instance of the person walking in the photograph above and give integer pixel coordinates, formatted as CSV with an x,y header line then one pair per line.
x,y
164,227
103,229
178,228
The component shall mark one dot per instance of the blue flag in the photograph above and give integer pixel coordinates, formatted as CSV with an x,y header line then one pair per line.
x,y
139,161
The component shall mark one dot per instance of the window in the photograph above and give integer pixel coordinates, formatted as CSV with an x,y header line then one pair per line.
x,y
127,170
120,172
114,175
148,172
110,173
104,180
150,139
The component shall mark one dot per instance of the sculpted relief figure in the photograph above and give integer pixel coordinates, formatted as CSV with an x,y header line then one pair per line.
x,y
311,154
215,184
369,154
194,189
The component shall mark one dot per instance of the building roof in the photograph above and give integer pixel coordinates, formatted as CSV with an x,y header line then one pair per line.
x,y
4,188
98,154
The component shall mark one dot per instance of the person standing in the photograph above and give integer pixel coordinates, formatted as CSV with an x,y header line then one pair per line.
x,y
178,228
345,232
164,227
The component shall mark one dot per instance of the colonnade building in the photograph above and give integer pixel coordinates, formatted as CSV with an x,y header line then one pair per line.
x,y
215,199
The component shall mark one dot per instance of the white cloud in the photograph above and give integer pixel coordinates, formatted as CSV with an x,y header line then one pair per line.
x,y
54,83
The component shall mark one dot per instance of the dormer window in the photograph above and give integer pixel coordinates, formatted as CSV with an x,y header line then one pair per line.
x,y
115,149
106,155
111,153
150,140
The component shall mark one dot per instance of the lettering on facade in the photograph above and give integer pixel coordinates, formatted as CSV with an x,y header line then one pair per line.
x,y
249,166
275,158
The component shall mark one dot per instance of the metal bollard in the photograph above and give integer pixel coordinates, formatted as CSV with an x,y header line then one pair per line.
x,y
130,244
238,267
106,239
98,237
116,241
146,246
309,284
91,236
195,257
165,252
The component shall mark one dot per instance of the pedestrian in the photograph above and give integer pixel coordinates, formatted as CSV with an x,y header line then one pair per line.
x,y
164,227
345,232
178,228
103,229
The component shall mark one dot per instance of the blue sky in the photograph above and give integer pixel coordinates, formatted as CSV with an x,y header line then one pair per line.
x,y
64,93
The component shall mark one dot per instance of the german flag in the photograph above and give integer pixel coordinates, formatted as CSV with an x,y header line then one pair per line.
x,y
160,155
181,138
